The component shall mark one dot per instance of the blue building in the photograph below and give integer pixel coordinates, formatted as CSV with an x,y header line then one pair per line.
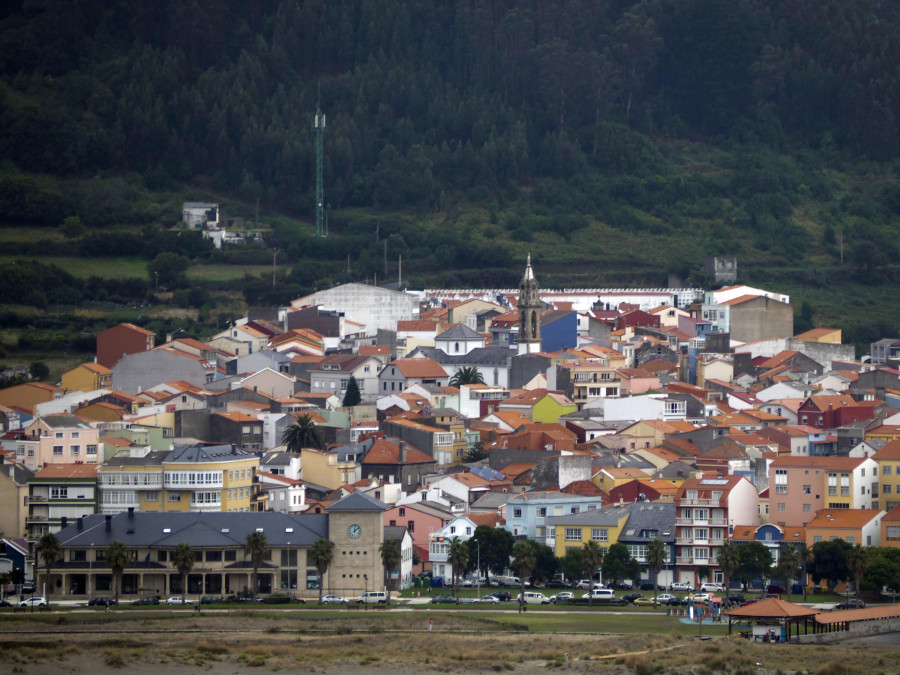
x,y
527,512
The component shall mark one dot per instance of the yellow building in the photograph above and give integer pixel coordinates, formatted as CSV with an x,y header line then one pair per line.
x,y
194,478
330,469
603,526
610,477
888,459
86,377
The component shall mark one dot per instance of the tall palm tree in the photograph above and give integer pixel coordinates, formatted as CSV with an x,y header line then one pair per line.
x,y
117,559
656,560
466,375
390,560
592,555
183,559
806,558
458,557
524,558
788,564
857,564
50,551
301,434
321,554
729,562
257,548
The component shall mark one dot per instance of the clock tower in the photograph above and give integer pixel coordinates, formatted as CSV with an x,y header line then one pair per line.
x,y
356,527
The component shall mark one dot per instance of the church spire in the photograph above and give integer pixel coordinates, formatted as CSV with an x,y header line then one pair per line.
x,y
529,338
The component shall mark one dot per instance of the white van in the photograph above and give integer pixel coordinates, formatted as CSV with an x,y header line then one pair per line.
x,y
606,594
533,598
370,597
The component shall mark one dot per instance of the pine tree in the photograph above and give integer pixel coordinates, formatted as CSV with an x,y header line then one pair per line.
x,y
352,396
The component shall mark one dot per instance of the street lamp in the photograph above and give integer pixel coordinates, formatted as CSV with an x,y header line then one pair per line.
x,y
366,594
478,571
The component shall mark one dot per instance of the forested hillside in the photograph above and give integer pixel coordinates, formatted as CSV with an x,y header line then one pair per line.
x,y
618,140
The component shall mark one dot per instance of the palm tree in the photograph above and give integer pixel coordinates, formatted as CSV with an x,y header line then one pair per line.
x,y
257,548
656,560
183,559
390,559
466,375
458,556
524,558
301,434
50,551
592,555
806,558
857,564
788,564
117,559
729,562
321,554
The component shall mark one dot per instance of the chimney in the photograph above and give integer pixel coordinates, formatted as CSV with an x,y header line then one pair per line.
x,y
130,512
63,523
108,523
81,523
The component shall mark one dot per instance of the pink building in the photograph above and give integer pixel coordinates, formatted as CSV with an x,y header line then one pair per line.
x,y
57,439
422,520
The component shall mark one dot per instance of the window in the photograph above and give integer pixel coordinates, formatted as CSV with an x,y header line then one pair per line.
x,y
851,540
214,556
59,434
780,481
832,484
402,511
701,533
74,450
573,534
59,493
78,556
886,489
152,496
517,513
411,526
542,512
58,450
807,508
91,449
807,489
599,534
174,496
781,507
886,470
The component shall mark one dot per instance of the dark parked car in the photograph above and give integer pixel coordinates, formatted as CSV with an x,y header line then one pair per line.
x,y
774,589
554,583
210,599
852,603
5,603
631,597
101,602
442,598
503,596
145,601
736,599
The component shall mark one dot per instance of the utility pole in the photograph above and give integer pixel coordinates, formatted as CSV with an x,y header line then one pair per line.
x,y
319,126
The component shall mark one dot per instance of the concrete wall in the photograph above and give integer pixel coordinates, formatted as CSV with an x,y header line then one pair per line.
x,y
375,307
761,318
857,629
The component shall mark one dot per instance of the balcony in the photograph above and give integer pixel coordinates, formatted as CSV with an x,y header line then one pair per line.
x,y
690,560
684,501
702,522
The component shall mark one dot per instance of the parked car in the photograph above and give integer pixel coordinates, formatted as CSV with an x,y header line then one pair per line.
x,y
489,599
533,598
101,602
603,594
626,584
5,603
736,599
631,597
33,602
642,601
334,600
852,603
178,600
556,583
681,586
442,599
563,596
372,597
149,600
667,599
503,596
711,587
774,589
585,584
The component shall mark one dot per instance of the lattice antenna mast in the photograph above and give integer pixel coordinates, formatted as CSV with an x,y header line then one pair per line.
x,y
319,126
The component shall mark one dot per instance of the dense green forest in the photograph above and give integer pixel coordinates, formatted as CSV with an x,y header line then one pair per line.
x,y
617,140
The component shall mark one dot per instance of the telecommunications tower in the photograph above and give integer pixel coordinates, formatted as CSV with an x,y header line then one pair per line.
x,y
319,126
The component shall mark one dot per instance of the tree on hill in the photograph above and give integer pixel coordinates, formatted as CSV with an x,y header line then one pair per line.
x,y
592,557
756,562
256,547
788,564
729,562
572,564
523,561
301,434
656,560
49,551
618,565
352,396
829,562
458,557
390,560
858,559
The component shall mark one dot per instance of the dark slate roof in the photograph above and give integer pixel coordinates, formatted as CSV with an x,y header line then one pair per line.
x,y
64,422
480,356
394,532
358,501
16,473
459,331
200,530
648,516
276,459
605,517
122,458
206,453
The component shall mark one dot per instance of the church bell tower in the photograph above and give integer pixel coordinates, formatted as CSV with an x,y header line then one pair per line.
x,y
529,339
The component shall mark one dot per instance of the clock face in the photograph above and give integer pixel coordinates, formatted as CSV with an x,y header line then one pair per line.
x,y
354,531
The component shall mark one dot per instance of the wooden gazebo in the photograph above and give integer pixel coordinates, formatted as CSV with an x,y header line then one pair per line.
x,y
775,612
